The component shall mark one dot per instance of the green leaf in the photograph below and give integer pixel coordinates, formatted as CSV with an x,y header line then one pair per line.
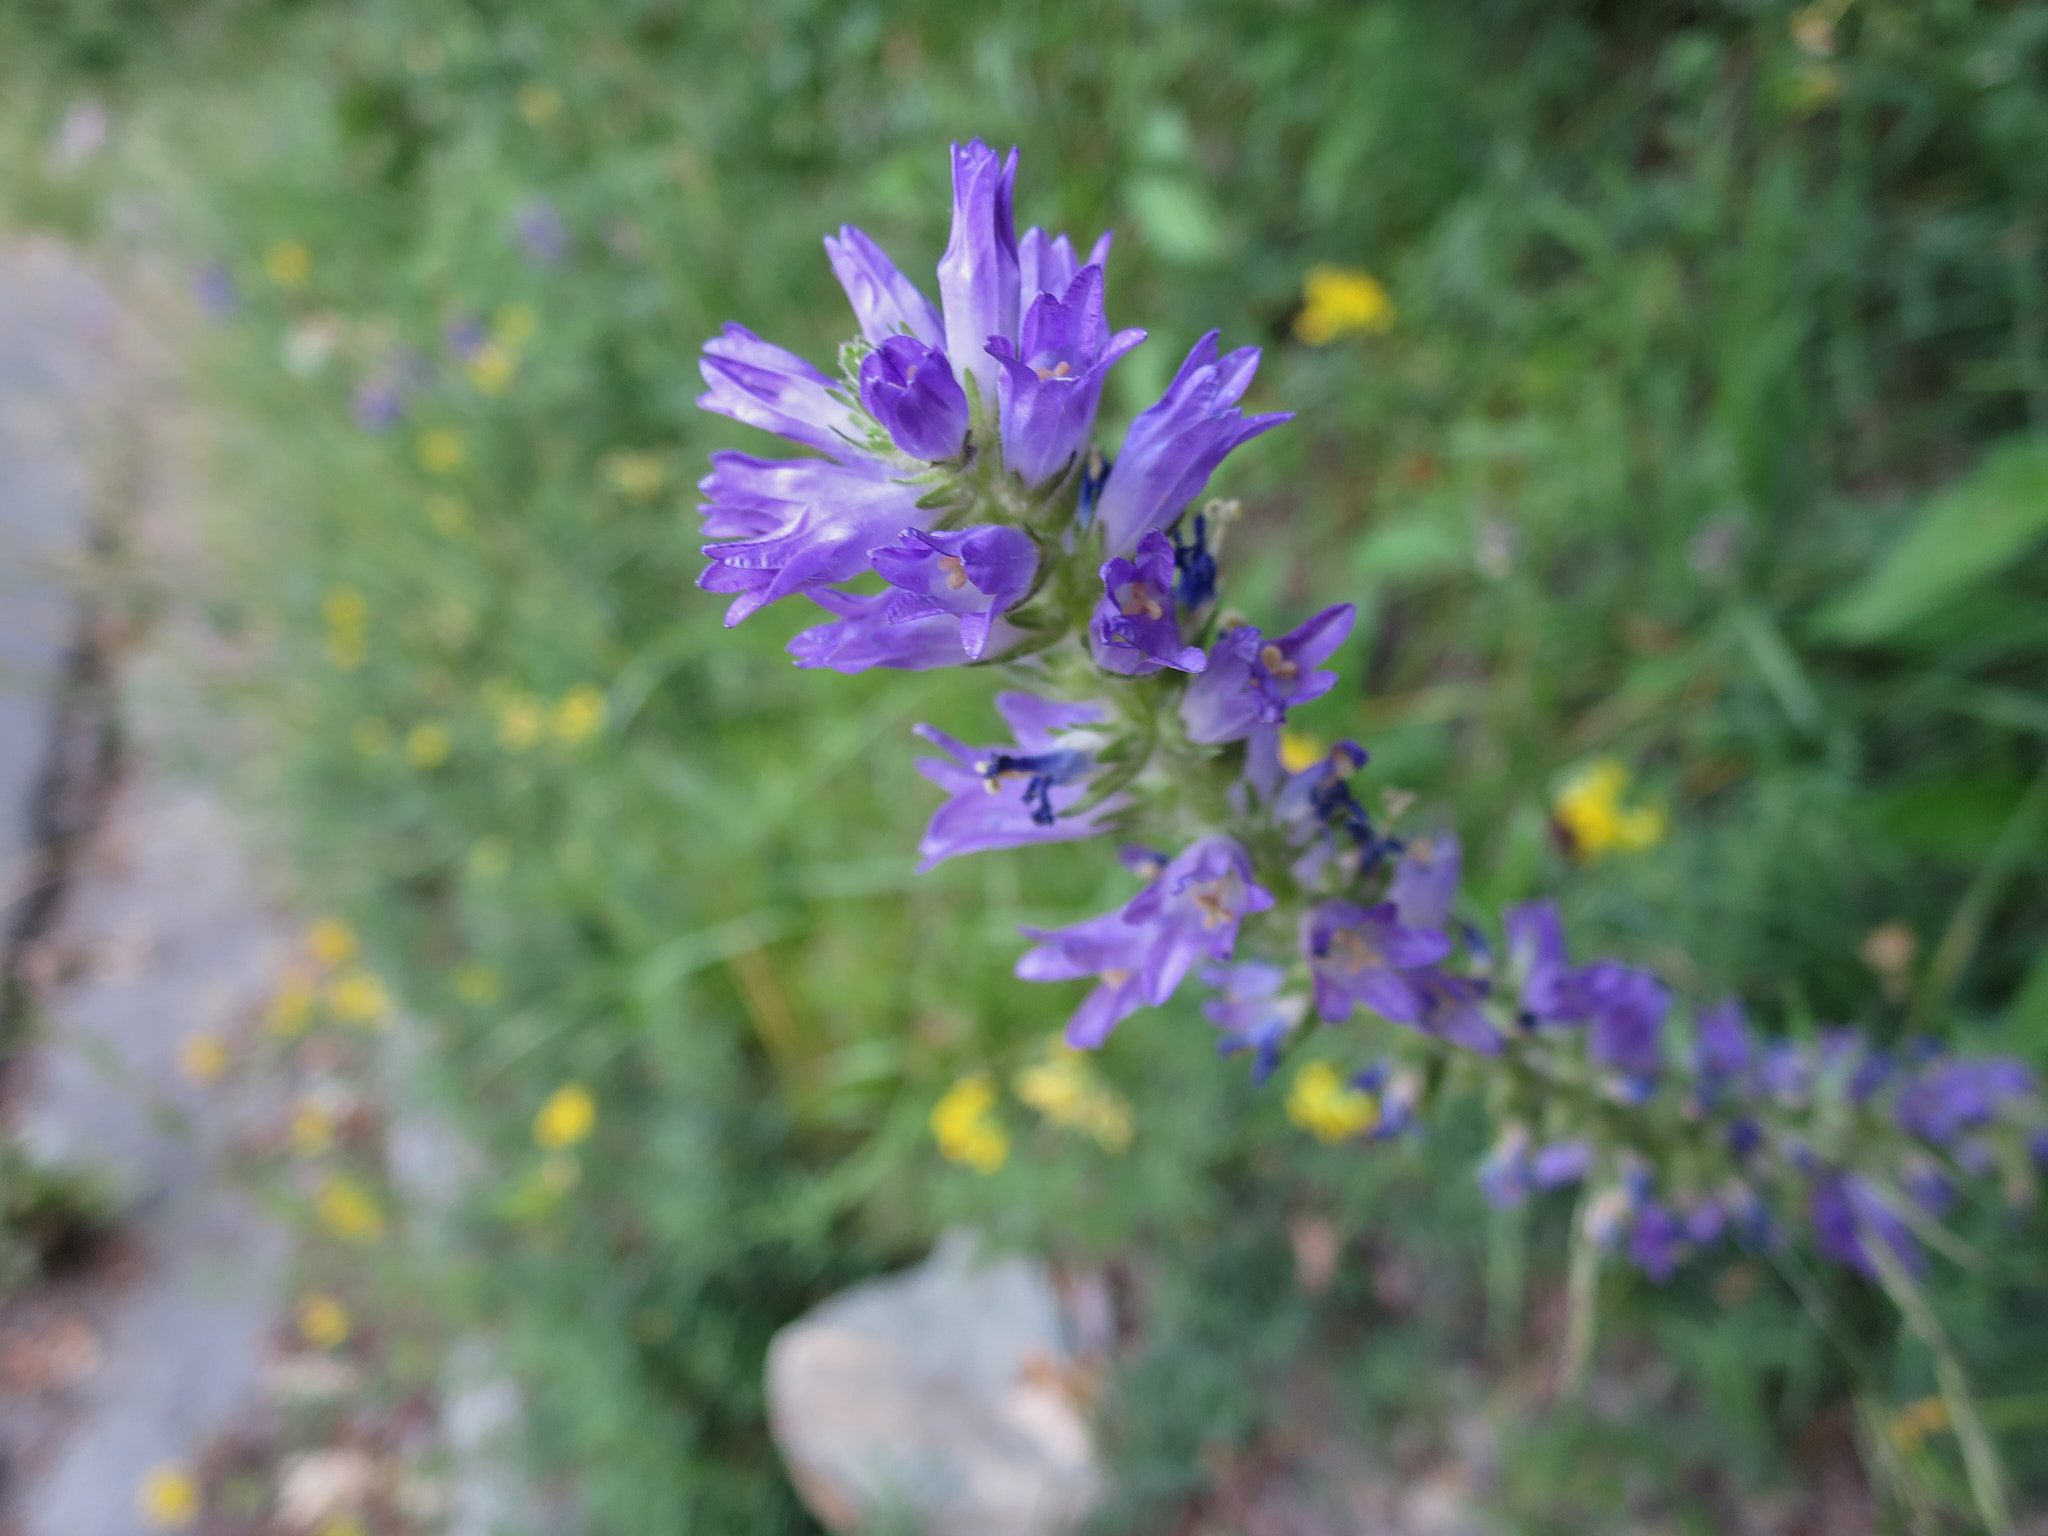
x,y
1971,531
1177,218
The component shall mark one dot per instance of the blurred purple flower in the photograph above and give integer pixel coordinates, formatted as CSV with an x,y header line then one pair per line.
x,y
1848,1214
1252,681
1359,956
1949,1096
541,231
213,290
1252,1013
378,404
1426,880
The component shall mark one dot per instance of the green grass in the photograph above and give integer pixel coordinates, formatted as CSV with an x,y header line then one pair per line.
x,y
1692,321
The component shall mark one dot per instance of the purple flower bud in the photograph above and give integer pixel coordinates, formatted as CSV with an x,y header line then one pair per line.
x,y
1561,1163
1426,879
1251,1012
1628,1019
910,389
978,276
1052,377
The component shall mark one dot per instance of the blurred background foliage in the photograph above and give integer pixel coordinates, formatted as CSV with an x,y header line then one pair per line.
x,y
1702,437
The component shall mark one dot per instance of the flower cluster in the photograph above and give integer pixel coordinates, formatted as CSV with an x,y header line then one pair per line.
x,y
952,508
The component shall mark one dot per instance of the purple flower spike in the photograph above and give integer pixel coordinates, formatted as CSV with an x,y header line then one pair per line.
x,y
1174,446
1251,1013
972,574
542,232
1011,796
1134,631
864,637
1196,905
884,301
1357,955
770,387
1252,681
910,389
1628,1019
978,274
1848,1214
796,525
1108,948
1426,879
1052,377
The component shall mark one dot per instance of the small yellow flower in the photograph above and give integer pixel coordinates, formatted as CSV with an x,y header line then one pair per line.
x,y
332,942
1917,1420
324,1322
342,1525
477,984
371,736
490,858
442,451
539,104
202,1058
427,745
288,263
346,613
448,515
1341,301
569,1115
348,1211
580,713
1327,1107
168,1499
514,324
1066,1092
637,476
1300,751
358,997
490,368
312,1132
1589,808
963,1127
291,1006
520,723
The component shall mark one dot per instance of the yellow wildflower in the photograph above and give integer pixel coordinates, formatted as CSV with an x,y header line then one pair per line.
x,y
427,745
569,1115
580,713
1327,1107
312,1132
514,324
168,1499
342,1525
291,1006
638,476
965,1130
1916,1421
1589,808
288,263
1062,1089
358,997
539,104
346,650
521,720
371,736
348,1211
1300,751
1341,301
324,1322
202,1058
448,515
442,451
332,941
476,984
490,368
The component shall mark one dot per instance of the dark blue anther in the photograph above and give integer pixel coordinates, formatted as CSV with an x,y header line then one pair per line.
x,y
1194,582
1040,772
1094,475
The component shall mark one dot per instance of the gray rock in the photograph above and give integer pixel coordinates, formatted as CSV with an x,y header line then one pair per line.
x,y
943,1398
